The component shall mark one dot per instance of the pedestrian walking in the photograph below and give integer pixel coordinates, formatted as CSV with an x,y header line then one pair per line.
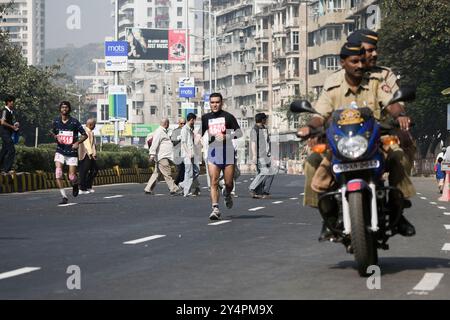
x,y
161,154
440,175
222,128
190,185
260,147
65,131
87,155
8,126
177,158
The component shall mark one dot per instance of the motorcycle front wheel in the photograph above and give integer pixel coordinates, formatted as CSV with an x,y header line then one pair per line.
x,y
363,242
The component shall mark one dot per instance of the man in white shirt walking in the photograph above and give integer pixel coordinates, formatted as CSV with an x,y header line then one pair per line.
x,y
161,152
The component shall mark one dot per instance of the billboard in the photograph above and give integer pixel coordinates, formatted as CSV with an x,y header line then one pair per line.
x,y
156,45
116,55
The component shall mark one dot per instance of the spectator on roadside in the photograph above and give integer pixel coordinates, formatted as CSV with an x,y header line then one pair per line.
x,y
87,155
440,175
190,158
161,154
261,158
8,126
177,158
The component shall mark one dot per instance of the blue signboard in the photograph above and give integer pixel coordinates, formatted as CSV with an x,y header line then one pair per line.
x,y
186,92
116,48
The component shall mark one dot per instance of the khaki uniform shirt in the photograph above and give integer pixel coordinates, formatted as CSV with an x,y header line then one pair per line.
x,y
337,94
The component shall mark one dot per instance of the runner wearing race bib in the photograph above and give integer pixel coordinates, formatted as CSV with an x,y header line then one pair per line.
x,y
65,131
222,128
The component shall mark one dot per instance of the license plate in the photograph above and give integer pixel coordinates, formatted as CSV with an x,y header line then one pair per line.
x,y
354,166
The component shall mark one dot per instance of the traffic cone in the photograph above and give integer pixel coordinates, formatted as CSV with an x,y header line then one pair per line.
x,y
446,192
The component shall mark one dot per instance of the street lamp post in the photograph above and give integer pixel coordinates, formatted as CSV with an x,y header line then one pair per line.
x,y
79,103
214,15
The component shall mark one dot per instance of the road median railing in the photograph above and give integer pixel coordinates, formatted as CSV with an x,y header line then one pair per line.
x,y
39,180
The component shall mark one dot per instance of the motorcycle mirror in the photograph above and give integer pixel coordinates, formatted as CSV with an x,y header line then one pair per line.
x,y
300,106
404,94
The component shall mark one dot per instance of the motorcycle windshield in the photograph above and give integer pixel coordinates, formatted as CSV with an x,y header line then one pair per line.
x,y
351,121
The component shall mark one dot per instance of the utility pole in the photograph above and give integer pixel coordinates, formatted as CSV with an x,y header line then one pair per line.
x,y
210,46
215,52
116,73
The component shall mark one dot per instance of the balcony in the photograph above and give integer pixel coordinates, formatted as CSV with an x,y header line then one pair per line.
x,y
125,22
262,58
237,69
262,82
294,22
262,34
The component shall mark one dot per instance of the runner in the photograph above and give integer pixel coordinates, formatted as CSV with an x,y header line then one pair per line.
x,y
222,127
65,131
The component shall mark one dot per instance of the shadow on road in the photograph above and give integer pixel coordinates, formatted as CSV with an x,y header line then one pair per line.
x,y
392,265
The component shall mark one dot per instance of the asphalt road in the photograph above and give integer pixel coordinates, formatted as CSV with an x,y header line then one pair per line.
x,y
268,249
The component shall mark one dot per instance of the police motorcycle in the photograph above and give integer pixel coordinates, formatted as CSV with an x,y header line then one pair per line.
x,y
358,210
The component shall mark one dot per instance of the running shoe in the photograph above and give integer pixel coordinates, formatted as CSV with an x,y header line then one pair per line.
x,y
64,201
215,214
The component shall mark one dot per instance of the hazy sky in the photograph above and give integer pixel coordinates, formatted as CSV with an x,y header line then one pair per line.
x,y
95,22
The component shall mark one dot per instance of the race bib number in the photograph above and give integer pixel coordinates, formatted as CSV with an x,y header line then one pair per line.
x,y
65,137
216,126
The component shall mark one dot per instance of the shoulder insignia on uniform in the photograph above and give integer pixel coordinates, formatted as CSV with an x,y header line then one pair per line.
x,y
334,80
386,88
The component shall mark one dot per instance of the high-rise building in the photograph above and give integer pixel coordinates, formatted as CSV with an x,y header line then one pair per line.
x,y
25,23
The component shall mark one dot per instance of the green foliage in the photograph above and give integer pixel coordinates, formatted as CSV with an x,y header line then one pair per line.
x,y
30,159
291,117
34,87
415,42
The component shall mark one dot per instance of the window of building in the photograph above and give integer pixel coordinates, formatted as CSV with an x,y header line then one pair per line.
x,y
152,110
295,40
149,24
332,63
179,25
180,11
153,88
149,12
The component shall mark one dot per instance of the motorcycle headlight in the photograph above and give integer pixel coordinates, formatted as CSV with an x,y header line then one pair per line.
x,y
352,147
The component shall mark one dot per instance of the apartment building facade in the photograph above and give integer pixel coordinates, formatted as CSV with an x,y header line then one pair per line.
x,y
330,23
25,23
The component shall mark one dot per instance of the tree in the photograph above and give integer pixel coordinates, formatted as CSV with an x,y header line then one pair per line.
x,y
415,42
35,88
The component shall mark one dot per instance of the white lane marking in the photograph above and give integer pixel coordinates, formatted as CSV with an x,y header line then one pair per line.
x,y
159,194
429,282
252,179
277,202
447,213
256,209
302,194
293,198
447,226
218,223
433,203
443,208
446,247
17,272
245,180
113,197
423,198
157,236
205,188
418,193
67,204
238,182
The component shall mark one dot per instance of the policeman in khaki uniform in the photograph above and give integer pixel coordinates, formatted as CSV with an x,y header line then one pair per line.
x,y
341,90
369,40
